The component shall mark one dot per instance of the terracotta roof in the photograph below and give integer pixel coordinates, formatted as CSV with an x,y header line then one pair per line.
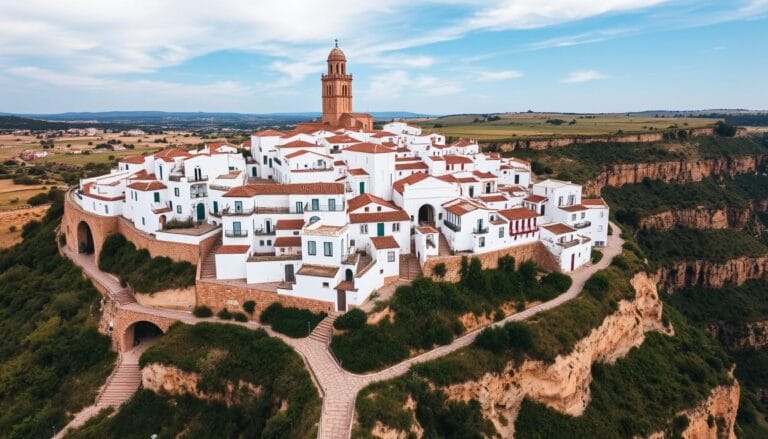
x,y
293,224
518,213
559,228
169,154
250,190
298,144
535,198
366,199
492,198
369,148
456,159
214,147
143,175
449,178
232,249
267,133
412,165
302,152
461,143
436,158
342,138
400,185
466,180
381,134
133,159
288,241
461,206
483,174
427,229
574,208
147,185
593,202
339,163
357,171
318,270
384,242
378,217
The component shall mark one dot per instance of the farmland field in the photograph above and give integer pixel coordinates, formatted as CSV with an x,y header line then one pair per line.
x,y
11,223
527,125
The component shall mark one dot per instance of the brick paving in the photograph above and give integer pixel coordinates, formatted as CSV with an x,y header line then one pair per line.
x,y
338,386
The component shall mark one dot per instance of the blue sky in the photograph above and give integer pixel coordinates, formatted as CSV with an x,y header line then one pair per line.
x,y
431,56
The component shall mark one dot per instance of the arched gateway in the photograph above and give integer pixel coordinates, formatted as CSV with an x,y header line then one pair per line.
x,y
84,238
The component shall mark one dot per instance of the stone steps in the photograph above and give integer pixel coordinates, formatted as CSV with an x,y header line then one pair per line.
x,y
324,329
208,270
121,386
409,267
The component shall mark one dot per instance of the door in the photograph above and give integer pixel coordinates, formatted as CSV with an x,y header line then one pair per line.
x,y
573,261
253,171
380,229
341,300
268,226
289,277
315,204
215,206
157,197
362,187
200,211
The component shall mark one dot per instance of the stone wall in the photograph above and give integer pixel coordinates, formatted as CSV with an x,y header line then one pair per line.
x,y
182,299
123,326
534,251
101,226
232,294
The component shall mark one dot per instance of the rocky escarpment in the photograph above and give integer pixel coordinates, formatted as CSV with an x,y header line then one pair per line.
x,y
171,380
699,218
564,384
738,336
713,418
679,171
711,274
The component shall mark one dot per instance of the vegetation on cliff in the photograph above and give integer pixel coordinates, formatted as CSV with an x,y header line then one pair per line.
x,y
427,313
144,273
689,244
293,322
52,358
287,404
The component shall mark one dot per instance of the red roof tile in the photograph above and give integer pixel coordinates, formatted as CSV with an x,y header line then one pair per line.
x,y
574,208
366,199
267,133
232,249
559,228
400,185
133,159
518,213
378,217
457,159
412,165
535,198
250,190
293,224
357,171
384,242
288,241
593,202
298,144
370,148
147,185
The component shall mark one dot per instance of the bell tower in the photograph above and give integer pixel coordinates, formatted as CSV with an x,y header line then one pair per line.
x,y
337,87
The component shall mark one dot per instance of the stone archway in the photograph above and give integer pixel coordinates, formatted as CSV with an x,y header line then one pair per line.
x,y
138,331
162,220
426,215
84,238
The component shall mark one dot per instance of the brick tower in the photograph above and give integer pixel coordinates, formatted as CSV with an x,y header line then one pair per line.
x,y
337,88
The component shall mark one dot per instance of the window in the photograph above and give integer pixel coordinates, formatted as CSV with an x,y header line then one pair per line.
x,y
599,228
328,248
236,228
501,232
391,256
269,242
573,217
311,248
299,207
315,204
332,204
106,209
265,160
238,206
143,222
395,227
325,285
583,214
482,241
560,201
363,229
178,209
261,243
176,191
157,197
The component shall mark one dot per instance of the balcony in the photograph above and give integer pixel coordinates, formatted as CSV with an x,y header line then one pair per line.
x,y
452,226
265,209
582,224
339,207
161,207
215,214
191,179
568,244
198,195
264,232
236,233
480,230
228,211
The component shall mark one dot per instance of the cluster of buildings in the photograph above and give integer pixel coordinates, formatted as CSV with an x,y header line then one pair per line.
x,y
329,210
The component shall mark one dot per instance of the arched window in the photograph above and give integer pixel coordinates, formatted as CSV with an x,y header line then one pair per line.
x,y
314,219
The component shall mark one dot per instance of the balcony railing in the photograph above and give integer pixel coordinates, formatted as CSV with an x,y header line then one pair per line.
x,y
524,231
198,195
191,179
228,211
567,244
161,207
265,209
480,230
338,207
236,233
451,226
264,232
582,224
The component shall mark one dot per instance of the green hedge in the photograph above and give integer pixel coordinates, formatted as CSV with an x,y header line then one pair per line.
x,y
353,319
293,322
142,272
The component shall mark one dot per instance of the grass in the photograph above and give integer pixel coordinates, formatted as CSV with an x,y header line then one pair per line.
x,y
531,125
293,322
703,306
688,244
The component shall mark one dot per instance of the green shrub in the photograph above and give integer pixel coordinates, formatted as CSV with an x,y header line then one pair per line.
x,y
249,306
596,256
224,314
619,261
293,322
439,270
353,319
202,311
240,317
597,286
716,245
37,200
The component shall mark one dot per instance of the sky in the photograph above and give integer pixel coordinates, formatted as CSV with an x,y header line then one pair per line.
x,y
427,56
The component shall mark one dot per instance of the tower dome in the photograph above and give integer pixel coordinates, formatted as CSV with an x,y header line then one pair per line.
x,y
336,54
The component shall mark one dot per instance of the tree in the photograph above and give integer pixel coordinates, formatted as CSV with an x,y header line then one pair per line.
x,y
725,130
439,270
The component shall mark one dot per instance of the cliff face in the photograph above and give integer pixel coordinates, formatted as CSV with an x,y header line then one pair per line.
x,y
738,336
714,418
680,171
564,384
160,378
699,218
713,275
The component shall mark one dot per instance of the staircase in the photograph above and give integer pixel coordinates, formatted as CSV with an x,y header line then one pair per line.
x,y
324,329
125,297
121,385
362,262
443,248
409,267
208,270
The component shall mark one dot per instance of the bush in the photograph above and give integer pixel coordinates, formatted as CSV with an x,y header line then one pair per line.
x,y
240,317
493,339
249,306
293,322
597,285
557,281
439,270
596,256
202,311
224,314
353,319
38,200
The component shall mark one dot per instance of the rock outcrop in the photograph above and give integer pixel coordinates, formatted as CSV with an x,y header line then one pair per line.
x,y
699,218
171,380
714,418
711,274
679,171
564,384
738,336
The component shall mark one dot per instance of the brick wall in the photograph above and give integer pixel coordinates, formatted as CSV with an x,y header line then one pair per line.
x,y
101,226
534,251
231,295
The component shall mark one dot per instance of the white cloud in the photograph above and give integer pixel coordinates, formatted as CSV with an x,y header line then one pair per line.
x,y
393,84
582,76
499,75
